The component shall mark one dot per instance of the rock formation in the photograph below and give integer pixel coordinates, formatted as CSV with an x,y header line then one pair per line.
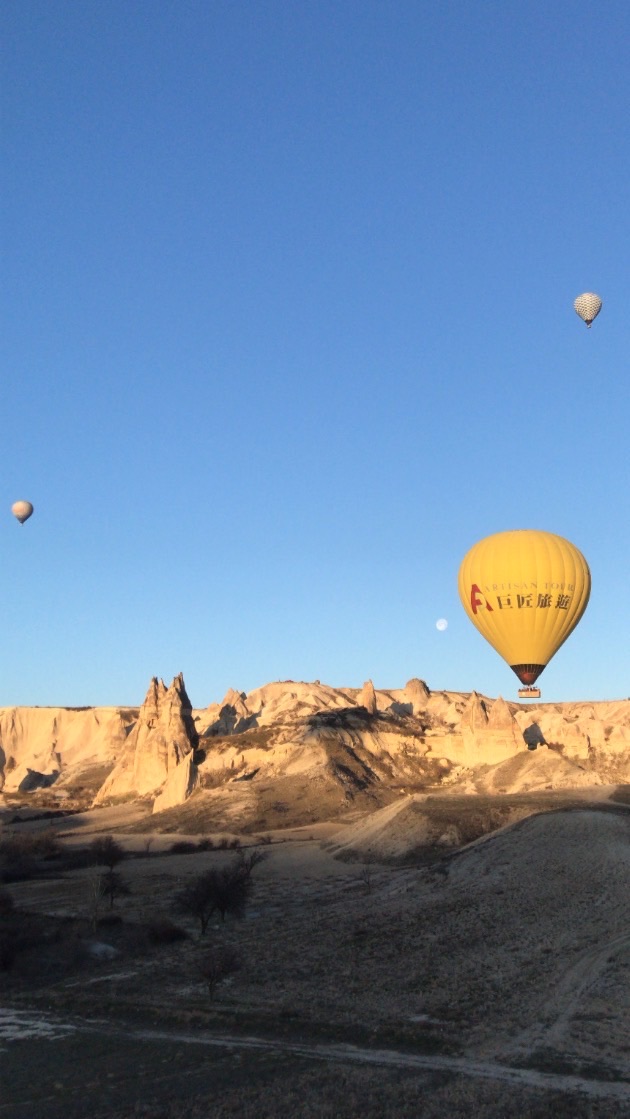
x,y
180,783
231,716
162,738
367,698
489,734
417,693
291,735
41,746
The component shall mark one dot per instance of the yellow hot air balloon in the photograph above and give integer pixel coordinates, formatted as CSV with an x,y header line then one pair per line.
x,y
22,510
525,591
587,306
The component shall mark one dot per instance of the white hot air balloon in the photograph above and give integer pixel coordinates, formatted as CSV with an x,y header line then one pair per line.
x,y
588,305
22,510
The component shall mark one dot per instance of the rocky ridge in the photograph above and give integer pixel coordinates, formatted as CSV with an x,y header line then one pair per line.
x,y
358,746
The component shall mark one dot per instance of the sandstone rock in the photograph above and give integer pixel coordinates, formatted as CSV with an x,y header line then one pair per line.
x,y
417,692
166,737
163,736
489,737
475,716
234,715
367,698
40,746
312,732
178,786
558,732
500,717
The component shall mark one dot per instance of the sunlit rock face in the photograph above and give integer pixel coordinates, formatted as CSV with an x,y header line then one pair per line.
x,y
416,693
163,736
344,743
180,783
489,732
39,746
367,698
168,736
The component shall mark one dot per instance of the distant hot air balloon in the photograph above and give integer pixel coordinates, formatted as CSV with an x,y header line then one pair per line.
x,y
588,306
525,591
22,510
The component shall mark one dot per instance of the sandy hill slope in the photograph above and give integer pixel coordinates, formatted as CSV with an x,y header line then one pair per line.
x,y
528,770
532,923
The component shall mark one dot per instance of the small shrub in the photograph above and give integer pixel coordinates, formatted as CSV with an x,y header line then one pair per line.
x,y
183,847
38,845
164,931
7,951
76,858
109,921
17,870
22,855
105,851
248,861
366,877
7,903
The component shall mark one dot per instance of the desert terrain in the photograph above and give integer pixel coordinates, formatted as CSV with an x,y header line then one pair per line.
x,y
435,919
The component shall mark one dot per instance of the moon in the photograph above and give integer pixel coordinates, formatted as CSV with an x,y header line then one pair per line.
x,y
441,624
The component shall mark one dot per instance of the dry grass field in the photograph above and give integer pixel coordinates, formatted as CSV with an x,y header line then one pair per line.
x,y
486,973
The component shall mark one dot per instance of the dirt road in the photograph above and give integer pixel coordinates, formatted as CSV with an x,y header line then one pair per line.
x,y
16,1026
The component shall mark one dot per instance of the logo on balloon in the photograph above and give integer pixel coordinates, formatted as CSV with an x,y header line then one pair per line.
x,y
477,599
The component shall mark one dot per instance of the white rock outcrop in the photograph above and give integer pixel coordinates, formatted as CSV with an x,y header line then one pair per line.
x,y
40,745
307,729
489,735
417,693
179,784
367,698
162,738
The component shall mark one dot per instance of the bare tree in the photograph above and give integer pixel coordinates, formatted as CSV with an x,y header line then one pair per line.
x,y
113,885
223,890
251,859
95,896
366,876
217,964
232,889
196,900
105,851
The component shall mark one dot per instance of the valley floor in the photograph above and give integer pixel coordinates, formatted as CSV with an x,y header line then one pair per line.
x,y
493,979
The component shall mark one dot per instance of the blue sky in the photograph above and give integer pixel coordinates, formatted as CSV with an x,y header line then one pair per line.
x,y
288,327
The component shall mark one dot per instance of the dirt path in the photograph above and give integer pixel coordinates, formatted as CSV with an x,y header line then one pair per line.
x,y
566,1001
20,1025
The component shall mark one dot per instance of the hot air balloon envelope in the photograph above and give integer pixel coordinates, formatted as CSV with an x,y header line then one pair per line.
x,y
588,305
525,591
22,510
